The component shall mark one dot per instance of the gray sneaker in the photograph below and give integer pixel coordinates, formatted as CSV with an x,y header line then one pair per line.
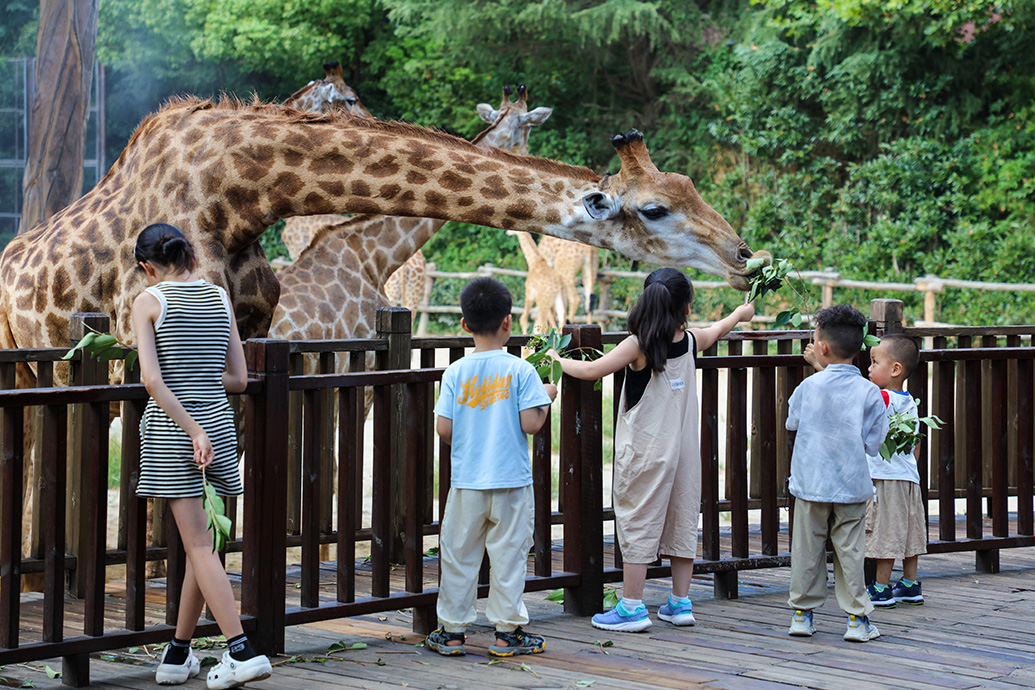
x,y
801,624
860,629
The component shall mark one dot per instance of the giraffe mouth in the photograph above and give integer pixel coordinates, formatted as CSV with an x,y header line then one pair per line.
x,y
741,279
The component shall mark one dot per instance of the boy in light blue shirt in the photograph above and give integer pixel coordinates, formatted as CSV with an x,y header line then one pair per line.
x,y
840,418
488,402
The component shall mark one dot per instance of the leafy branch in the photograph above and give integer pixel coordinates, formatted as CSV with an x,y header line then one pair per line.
x,y
770,277
905,431
104,346
546,366
218,522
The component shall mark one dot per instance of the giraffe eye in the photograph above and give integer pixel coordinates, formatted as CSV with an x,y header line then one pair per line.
x,y
654,212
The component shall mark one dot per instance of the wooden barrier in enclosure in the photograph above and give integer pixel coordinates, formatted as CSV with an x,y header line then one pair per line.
x,y
978,380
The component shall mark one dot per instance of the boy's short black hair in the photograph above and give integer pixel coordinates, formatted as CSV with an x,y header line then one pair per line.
x,y
485,302
902,349
843,328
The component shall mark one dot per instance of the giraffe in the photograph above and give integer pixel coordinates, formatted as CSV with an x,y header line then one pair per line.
x,y
224,171
567,259
405,287
334,288
299,231
542,286
328,94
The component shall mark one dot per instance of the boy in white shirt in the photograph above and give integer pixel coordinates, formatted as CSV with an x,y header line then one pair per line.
x,y
895,523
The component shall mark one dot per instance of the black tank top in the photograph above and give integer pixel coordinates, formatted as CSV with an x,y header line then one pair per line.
x,y
636,381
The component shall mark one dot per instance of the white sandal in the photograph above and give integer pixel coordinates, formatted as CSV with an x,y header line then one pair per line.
x,y
177,674
231,673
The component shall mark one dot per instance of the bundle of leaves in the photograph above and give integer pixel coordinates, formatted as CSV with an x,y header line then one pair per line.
x,y
104,347
545,365
218,522
905,431
770,277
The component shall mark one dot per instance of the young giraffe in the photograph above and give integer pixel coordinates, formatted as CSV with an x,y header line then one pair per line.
x,y
542,286
567,259
334,288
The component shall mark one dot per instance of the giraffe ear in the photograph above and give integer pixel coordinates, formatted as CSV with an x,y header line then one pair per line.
x,y
487,113
537,116
601,206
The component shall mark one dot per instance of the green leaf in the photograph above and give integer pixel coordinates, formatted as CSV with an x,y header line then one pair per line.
x,y
556,373
83,342
51,673
131,359
754,264
556,595
796,318
870,341
782,319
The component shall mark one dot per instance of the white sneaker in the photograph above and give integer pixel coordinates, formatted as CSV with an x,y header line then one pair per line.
x,y
801,624
231,673
860,629
176,674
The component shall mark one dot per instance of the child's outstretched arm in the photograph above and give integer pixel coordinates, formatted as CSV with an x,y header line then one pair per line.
x,y
533,418
706,337
810,357
625,352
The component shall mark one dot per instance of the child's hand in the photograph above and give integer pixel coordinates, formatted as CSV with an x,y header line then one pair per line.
x,y
551,390
204,454
744,312
554,355
810,357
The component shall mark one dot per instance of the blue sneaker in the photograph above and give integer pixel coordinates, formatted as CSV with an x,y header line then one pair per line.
x,y
881,598
620,620
860,629
908,594
677,613
801,624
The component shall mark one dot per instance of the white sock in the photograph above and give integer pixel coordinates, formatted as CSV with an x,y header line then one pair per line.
x,y
631,605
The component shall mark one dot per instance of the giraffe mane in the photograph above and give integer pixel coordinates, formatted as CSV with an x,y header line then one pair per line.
x,y
289,115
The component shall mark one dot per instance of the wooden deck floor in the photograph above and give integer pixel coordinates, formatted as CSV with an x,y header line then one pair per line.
x,y
975,631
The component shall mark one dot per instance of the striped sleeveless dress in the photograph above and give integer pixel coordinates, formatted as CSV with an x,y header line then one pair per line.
x,y
192,334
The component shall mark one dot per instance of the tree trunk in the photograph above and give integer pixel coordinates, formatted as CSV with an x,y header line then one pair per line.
x,y
65,46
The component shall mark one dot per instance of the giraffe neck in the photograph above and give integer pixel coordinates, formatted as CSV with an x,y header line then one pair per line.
x,y
530,250
236,169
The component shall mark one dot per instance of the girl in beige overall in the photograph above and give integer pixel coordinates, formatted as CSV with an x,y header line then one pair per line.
x,y
657,473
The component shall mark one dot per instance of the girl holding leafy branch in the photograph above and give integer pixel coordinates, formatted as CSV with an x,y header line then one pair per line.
x,y
190,356
657,476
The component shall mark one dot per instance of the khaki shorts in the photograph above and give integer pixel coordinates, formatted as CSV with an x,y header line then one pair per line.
x,y
895,524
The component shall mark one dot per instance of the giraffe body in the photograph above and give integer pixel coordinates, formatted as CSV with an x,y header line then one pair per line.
x,y
567,259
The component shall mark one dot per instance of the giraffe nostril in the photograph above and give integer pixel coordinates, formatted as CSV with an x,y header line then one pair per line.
x,y
744,253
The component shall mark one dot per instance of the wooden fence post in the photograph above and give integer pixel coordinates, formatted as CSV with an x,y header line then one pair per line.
x,y
930,286
886,315
88,444
581,469
263,570
394,324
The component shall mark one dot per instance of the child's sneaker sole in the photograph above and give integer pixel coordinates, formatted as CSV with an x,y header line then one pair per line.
x,y
631,626
679,618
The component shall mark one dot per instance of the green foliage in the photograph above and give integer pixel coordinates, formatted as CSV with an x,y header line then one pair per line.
x,y
215,511
905,431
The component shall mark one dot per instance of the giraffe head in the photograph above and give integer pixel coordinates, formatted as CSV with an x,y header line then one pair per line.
x,y
328,94
510,125
664,211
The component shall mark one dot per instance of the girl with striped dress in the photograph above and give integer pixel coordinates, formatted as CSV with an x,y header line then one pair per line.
x,y
190,357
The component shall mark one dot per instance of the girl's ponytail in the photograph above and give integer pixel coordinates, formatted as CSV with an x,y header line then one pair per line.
x,y
659,313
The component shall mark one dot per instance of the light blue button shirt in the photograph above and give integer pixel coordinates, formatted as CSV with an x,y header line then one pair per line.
x,y
840,417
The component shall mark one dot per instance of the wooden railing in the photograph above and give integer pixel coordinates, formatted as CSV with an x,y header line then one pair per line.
x,y
984,453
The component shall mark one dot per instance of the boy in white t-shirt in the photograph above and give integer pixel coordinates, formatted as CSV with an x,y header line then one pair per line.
x,y
896,527
488,402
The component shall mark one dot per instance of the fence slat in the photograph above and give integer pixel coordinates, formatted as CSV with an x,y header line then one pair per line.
x,y
11,528
53,459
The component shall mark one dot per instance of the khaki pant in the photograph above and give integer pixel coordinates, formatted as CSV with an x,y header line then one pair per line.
x,y
845,524
497,521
